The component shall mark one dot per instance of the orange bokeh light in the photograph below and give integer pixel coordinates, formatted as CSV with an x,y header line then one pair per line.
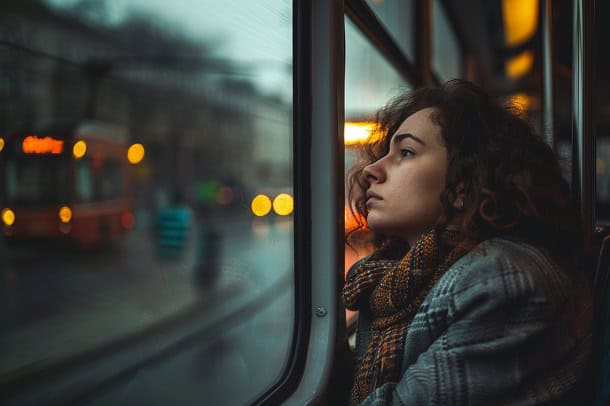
x,y
46,145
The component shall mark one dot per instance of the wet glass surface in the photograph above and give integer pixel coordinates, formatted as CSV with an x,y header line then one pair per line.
x,y
128,223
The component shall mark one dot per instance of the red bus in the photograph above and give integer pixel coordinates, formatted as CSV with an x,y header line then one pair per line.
x,y
66,181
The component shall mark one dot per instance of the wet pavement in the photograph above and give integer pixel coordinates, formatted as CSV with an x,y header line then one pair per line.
x,y
63,310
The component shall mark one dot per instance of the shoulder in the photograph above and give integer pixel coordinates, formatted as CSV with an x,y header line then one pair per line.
x,y
505,270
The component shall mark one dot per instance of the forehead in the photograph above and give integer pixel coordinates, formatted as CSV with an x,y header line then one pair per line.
x,y
421,125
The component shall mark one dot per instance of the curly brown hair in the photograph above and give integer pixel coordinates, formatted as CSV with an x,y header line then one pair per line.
x,y
512,181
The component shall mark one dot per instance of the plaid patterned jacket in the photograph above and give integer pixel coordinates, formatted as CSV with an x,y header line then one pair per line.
x,y
486,334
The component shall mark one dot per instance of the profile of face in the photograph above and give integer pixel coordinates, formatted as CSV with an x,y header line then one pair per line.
x,y
403,196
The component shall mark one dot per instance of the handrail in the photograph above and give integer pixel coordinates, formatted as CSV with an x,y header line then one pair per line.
x,y
583,152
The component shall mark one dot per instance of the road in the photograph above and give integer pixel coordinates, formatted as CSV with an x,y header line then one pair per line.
x,y
130,323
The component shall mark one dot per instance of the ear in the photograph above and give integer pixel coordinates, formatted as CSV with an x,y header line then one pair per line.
x,y
460,195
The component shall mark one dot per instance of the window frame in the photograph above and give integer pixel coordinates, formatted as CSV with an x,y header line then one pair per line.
x,y
318,74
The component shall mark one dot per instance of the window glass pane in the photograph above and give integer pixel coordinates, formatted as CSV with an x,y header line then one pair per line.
x,y
370,82
398,17
446,56
84,183
36,180
159,284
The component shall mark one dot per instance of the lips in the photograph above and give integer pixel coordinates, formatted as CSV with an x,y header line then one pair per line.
x,y
372,197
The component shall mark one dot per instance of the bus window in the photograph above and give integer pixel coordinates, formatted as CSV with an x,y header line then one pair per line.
x,y
35,180
136,269
370,81
84,181
109,180
446,55
399,18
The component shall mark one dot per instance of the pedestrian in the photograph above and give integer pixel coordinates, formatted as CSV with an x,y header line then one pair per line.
x,y
474,294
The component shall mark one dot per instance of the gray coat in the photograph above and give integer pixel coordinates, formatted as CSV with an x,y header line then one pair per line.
x,y
487,335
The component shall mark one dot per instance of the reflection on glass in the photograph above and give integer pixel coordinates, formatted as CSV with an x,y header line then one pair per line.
x,y
126,213
398,17
446,55
370,82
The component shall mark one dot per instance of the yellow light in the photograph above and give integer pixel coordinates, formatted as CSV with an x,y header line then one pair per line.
x,y
261,205
135,153
65,214
8,217
1,144
80,149
520,20
283,204
520,64
362,132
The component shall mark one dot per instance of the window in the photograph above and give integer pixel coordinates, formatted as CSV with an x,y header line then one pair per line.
x,y
370,82
35,180
446,55
84,181
398,17
194,302
109,182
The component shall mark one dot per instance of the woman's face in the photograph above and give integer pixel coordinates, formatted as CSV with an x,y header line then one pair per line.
x,y
403,197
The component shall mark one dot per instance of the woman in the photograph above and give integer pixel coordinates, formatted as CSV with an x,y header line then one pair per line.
x,y
473,295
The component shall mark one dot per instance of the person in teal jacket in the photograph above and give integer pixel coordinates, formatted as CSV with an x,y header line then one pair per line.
x,y
475,294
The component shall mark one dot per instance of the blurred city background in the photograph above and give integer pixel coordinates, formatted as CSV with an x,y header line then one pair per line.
x,y
146,198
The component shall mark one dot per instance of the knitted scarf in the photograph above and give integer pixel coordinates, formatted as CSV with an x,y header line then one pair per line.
x,y
395,288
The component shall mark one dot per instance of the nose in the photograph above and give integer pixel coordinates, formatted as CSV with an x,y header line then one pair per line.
x,y
373,173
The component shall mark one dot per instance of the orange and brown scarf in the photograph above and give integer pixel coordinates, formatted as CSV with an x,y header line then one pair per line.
x,y
395,289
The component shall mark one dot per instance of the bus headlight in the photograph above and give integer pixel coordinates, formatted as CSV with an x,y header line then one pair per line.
x,y
8,217
65,214
79,149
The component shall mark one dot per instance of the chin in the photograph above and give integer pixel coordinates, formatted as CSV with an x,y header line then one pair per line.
x,y
378,228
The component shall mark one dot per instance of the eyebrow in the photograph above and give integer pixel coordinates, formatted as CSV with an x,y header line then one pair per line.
x,y
402,136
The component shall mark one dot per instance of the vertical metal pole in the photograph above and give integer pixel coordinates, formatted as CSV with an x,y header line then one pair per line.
x,y
423,46
325,185
583,169
547,72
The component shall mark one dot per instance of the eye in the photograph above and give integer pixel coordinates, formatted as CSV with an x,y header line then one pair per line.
x,y
405,153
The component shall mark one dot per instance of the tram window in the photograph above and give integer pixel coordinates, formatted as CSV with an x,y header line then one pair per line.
x,y
446,55
84,181
32,180
160,282
399,18
370,81
109,180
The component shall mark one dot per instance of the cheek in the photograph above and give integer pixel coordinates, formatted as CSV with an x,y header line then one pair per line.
x,y
427,190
